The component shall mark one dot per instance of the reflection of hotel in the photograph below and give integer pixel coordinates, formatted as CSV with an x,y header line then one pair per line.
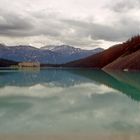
x,y
29,64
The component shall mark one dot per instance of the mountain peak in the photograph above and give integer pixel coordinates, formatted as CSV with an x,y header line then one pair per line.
x,y
25,47
62,49
57,47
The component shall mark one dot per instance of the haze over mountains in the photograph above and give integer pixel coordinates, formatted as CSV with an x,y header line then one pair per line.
x,y
45,55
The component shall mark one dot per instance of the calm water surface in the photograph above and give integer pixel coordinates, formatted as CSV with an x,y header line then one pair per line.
x,y
67,101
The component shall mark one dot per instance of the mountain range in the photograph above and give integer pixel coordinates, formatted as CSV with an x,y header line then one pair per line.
x,y
45,55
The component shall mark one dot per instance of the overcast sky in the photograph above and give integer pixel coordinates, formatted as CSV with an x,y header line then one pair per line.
x,y
81,23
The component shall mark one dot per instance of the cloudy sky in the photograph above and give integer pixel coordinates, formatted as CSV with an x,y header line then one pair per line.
x,y
81,23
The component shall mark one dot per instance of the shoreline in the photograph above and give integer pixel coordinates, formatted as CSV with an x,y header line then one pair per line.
x,y
70,136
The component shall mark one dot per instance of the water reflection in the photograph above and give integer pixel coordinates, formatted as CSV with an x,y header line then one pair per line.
x,y
29,78
60,100
125,82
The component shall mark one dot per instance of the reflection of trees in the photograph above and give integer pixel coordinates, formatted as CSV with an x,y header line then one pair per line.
x,y
127,83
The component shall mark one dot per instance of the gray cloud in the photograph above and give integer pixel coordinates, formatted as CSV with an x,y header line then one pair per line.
x,y
122,29
12,24
68,30
121,6
15,25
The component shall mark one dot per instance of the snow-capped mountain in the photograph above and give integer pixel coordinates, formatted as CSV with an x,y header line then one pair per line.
x,y
62,49
68,53
48,54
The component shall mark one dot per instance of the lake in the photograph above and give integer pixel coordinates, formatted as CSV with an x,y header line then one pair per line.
x,y
68,101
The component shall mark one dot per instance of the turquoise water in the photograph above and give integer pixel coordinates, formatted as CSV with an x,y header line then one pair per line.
x,y
67,101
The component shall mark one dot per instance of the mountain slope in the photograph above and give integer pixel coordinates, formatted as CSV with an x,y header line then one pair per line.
x,y
99,60
7,63
130,59
123,56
